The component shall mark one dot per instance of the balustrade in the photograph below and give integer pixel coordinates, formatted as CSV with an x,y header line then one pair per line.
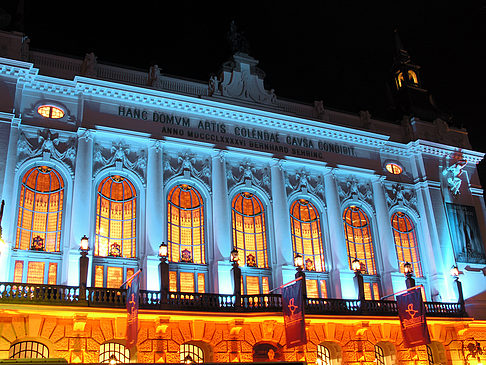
x,y
151,300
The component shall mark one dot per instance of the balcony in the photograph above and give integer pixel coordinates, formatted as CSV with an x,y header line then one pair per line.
x,y
40,294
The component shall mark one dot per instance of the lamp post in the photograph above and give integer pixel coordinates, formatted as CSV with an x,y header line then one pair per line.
x,y
299,266
408,271
163,272
236,271
358,278
83,267
455,274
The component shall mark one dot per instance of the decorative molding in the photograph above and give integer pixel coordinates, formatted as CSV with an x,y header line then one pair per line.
x,y
246,173
397,194
187,164
48,145
120,155
353,188
303,181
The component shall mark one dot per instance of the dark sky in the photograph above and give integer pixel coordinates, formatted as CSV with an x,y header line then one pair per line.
x,y
337,51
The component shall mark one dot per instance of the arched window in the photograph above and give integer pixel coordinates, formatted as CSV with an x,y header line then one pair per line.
x,y
115,231
190,353
307,242
114,351
385,353
436,353
249,238
116,218
185,225
39,225
28,350
323,355
359,243
306,234
185,235
40,210
406,242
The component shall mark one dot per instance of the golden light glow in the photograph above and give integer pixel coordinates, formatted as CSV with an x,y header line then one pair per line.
x,y
185,225
393,168
249,232
359,243
116,216
40,209
50,111
406,243
306,234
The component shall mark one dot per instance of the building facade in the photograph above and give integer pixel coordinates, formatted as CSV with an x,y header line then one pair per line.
x,y
131,159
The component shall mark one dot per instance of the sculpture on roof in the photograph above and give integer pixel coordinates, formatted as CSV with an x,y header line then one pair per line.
x,y
154,78
88,67
238,41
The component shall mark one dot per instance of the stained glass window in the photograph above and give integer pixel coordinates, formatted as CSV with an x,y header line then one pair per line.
x,y
185,225
39,219
249,235
306,234
406,242
116,218
359,243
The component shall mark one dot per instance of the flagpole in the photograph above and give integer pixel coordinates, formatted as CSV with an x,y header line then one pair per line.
x,y
131,278
402,291
283,285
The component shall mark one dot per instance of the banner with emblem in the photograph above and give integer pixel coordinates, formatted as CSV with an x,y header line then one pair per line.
x,y
133,286
411,311
293,312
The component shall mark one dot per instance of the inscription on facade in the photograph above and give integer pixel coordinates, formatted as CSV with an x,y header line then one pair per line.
x,y
238,136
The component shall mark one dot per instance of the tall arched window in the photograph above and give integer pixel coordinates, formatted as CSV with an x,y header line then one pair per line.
x,y
306,234
40,210
39,224
307,241
249,238
359,243
116,218
185,235
406,242
115,231
185,225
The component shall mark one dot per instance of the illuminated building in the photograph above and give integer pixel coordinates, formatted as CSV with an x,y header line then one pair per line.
x,y
131,159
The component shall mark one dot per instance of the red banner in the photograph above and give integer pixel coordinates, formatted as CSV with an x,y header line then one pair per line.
x,y
133,286
411,311
293,311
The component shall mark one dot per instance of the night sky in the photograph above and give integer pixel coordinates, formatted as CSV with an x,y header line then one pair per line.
x,y
340,52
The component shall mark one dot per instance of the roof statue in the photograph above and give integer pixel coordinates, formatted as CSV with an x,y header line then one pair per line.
x,y
238,42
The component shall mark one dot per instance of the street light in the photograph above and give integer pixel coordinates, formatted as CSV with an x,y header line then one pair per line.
x,y
408,271
112,360
299,266
163,272
83,267
455,274
236,271
358,278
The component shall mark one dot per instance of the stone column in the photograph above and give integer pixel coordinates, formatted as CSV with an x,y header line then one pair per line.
x,y
154,213
81,209
391,279
8,221
341,276
221,266
285,269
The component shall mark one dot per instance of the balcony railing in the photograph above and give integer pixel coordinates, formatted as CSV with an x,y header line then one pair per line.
x,y
44,294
